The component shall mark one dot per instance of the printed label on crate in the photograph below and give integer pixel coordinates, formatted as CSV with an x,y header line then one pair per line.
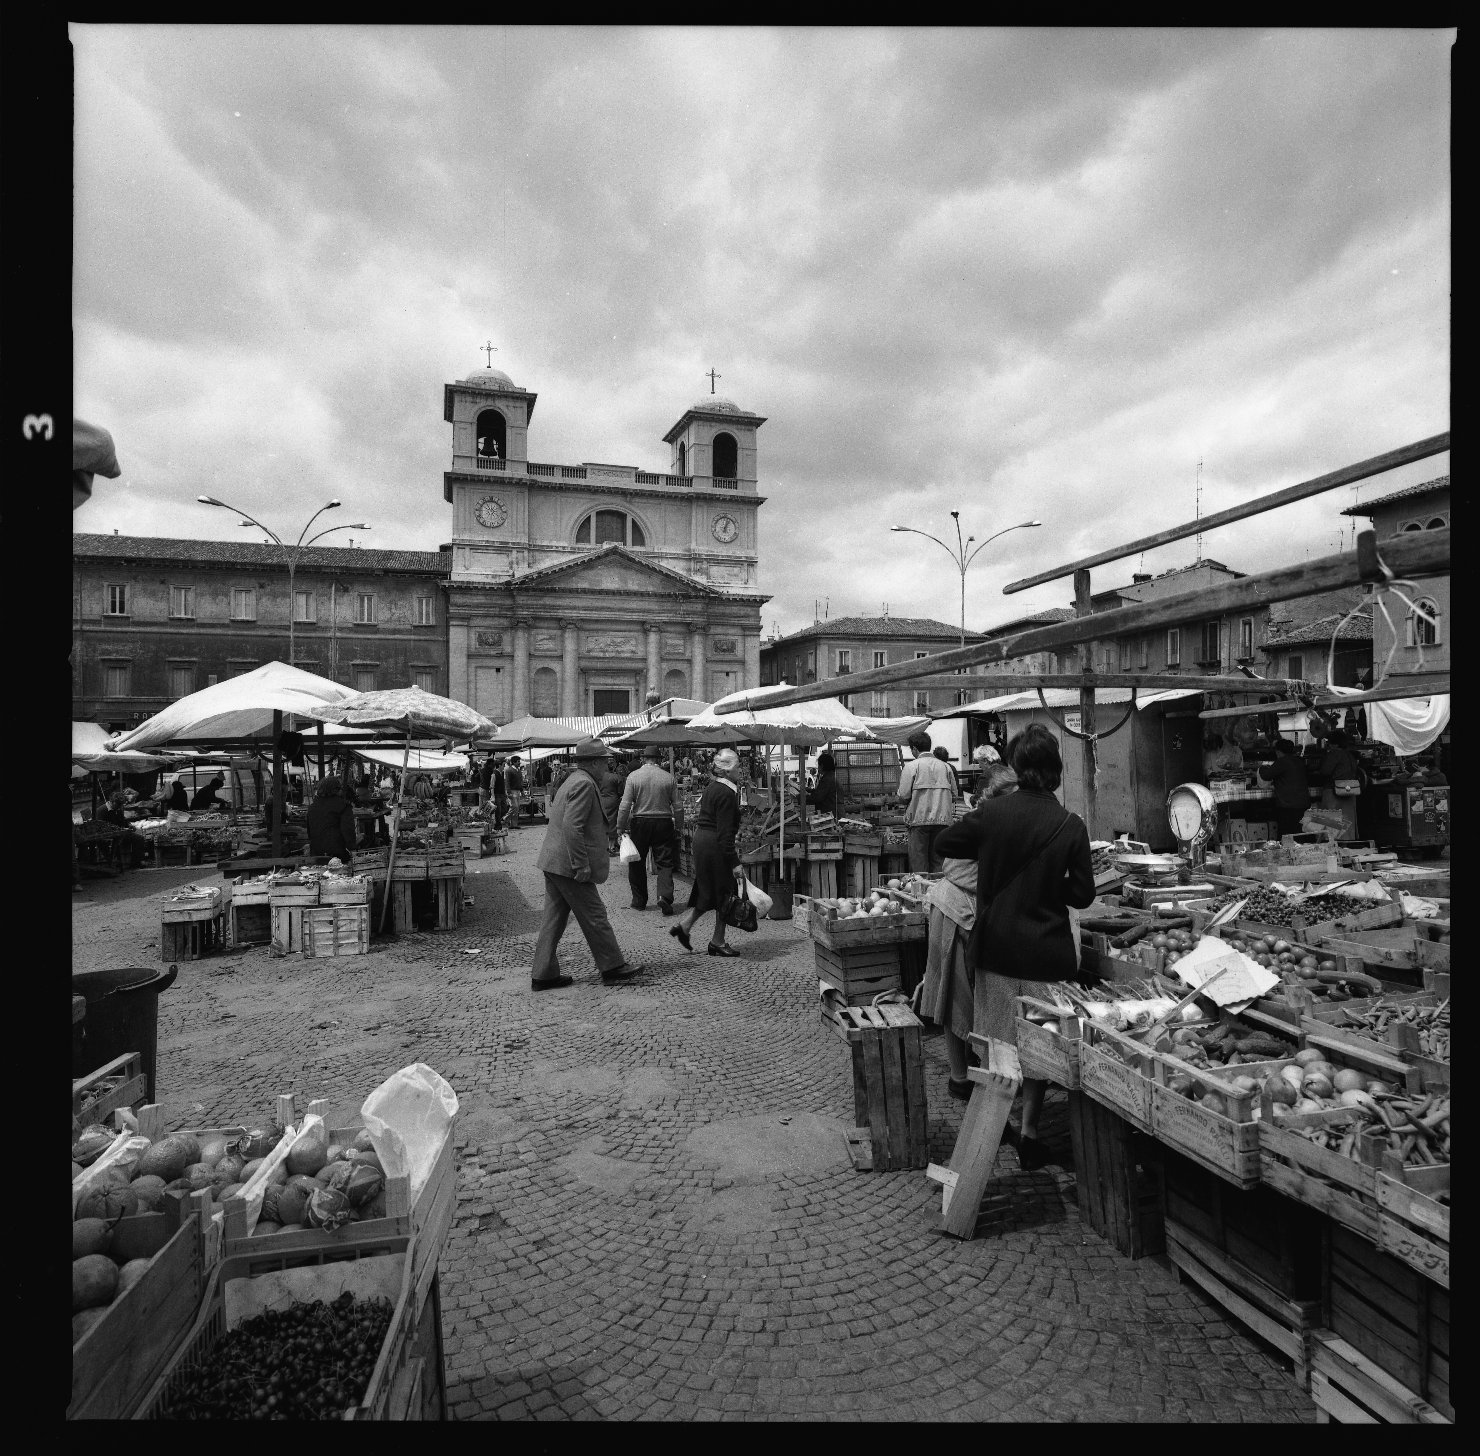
x,y
1115,1084
1428,1256
1231,1146
1047,1055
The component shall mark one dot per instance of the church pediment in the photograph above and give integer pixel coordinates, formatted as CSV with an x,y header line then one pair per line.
x,y
613,569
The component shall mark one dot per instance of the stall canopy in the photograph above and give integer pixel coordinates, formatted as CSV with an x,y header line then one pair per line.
x,y
819,721
1407,725
237,708
89,755
532,732
1063,698
412,712
419,760
675,735
897,730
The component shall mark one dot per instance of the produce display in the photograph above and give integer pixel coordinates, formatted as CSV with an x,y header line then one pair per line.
x,y
874,905
309,1362
1269,905
1171,933
1416,1127
1120,1013
1300,965
1227,1044
1430,1022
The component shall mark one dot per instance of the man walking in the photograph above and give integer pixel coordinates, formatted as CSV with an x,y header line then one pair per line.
x,y
925,786
574,859
646,813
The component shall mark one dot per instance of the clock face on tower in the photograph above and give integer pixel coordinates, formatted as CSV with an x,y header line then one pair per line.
x,y
724,529
490,512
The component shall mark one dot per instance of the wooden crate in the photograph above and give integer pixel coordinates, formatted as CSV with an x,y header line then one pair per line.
x,y
1228,1145
1050,1056
335,930
1395,1317
888,1083
448,890
293,893
1117,1072
287,929
1350,1389
859,975
1287,1324
822,877
824,846
801,913
444,860
249,923
860,873
409,865
119,1083
344,890
471,840
117,1361
876,930
1117,1175
1340,1188
187,936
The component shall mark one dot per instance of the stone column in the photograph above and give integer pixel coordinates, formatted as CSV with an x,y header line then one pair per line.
x,y
521,667
654,661
752,674
698,658
570,672
459,684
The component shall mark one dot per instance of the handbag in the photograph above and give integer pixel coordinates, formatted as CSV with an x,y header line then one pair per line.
x,y
739,910
1346,788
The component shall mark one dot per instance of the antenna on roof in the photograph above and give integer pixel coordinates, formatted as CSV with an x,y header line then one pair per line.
x,y
1198,513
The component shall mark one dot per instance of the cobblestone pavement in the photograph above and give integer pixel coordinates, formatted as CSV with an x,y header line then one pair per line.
x,y
657,1217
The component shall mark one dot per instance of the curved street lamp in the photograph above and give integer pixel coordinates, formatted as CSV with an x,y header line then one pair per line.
x,y
291,554
959,555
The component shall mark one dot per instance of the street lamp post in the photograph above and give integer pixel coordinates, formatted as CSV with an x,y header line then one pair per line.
x,y
959,555
291,554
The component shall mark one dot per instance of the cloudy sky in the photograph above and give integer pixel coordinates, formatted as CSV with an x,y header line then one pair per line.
x,y
1020,274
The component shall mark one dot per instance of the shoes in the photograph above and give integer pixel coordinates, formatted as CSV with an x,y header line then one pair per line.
x,y
961,1091
682,937
722,950
619,973
666,906
635,906
553,984
1032,1153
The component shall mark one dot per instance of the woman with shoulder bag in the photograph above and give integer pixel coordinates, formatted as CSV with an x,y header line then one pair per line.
x,y
718,873
1033,864
1343,780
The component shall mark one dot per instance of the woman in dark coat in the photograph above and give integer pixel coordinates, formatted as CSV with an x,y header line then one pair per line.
x,y
717,869
824,793
1033,863
331,821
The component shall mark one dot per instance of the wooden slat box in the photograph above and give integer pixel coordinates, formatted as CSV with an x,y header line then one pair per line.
x,y
335,930
296,893
859,975
1117,1072
1050,1056
875,930
1117,1175
188,935
410,865
888,1082
249,923
287,929
1226,1144
1350,1389
345,890
825,846
444,860
247,891
119,1083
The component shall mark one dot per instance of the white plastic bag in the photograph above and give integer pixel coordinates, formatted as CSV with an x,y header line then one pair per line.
x,y
629,854
758,898
409,1117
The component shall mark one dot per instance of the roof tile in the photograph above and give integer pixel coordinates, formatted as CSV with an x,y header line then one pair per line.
x,y
255,553
1428,487
877,627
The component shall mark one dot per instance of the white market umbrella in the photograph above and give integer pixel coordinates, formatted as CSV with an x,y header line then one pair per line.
x,y
237,708
417,713
90,755
811,724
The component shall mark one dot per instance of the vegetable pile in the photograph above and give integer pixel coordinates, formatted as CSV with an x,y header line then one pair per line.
x,y
1227,1044
309,1362
1299,965
875,905
1416,1127
1432,1023
1270,906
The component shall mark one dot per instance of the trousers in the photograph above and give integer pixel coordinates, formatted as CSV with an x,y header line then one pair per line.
x,y
563,896
655,834
923,857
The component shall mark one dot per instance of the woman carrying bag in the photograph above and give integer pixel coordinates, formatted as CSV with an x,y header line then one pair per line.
x,y
1033,864
718,873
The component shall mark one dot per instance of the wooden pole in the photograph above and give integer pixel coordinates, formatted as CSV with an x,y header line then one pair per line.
x,y
1434,445
277,784
983,684
1088,749
1413,554
321,750
390,868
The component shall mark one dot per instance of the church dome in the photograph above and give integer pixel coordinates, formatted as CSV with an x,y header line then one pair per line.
x,y
716,403
490,379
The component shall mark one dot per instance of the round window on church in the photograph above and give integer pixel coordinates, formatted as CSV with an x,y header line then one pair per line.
x,y
602,528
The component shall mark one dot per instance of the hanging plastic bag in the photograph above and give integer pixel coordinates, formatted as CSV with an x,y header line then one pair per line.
x,y
409,1116
758,897
629,854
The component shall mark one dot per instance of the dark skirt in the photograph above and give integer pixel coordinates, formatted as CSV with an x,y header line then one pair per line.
x,y
714,873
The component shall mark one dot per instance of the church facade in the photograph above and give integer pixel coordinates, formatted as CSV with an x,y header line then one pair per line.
x,y
579,589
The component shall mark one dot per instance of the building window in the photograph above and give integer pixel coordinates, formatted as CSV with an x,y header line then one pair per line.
x,y
182,679
235,667
212,679
1125,654
305,606
364,679
726,456
1296,668
182,601
603,528
1245,639
922,702
845,659
1174,647
1209,650
1411,526
116,679
845,700
610,701
243,604
919,655
492,433
426,678
1438,523
1143,656
881,659
544,692
878,705
365,609
426,613
1419,631
115,601
683,459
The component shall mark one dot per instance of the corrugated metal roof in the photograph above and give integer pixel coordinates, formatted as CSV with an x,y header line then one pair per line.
x,y
1428,487
879,627
255,553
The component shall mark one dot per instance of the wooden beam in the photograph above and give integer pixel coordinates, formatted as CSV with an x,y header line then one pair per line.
x,y
981,684
279,808
1413,554
1087,755
1424,687
1421,450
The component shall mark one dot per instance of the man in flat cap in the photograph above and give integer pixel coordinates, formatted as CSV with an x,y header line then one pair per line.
x,y
646,813
575,860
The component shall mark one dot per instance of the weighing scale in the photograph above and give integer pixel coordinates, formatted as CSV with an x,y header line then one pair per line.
x,y
1192,812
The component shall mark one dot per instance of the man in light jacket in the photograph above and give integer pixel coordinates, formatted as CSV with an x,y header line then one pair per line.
x,y
646,813
574,858
927,788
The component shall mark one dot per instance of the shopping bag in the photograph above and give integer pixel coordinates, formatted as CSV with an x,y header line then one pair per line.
x,y
739,911
628,854
758,898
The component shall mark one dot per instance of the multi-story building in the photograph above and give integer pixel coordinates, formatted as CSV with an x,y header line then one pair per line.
x,y
1063,660
154,619
578,589
843,645
1416,644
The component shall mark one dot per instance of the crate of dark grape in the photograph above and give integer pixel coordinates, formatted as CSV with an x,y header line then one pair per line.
x,y
337,1339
